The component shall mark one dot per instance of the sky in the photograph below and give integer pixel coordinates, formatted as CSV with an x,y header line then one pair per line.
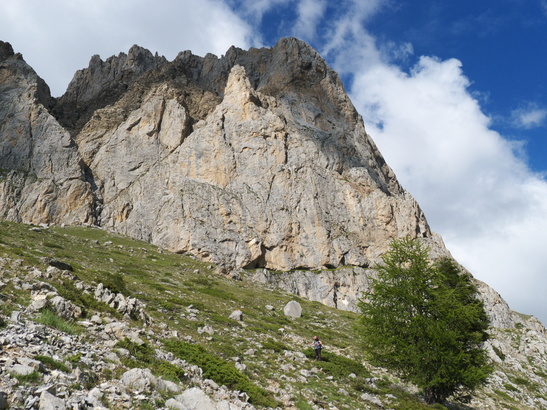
x,y
454,93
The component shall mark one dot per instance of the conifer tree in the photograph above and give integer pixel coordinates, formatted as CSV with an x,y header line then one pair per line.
x,y
424,322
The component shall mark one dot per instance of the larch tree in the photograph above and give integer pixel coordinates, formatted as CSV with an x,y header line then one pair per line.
x,y
424,322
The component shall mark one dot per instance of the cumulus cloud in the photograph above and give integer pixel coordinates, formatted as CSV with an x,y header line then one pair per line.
x,y
58,37
475,190
310,13
530,116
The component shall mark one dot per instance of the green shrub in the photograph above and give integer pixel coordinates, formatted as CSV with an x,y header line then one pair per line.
x,y
144,356
220,370
28,378
52,319
75,359
338,366
522,381
51,363
274,345
360,384
510,387
116,284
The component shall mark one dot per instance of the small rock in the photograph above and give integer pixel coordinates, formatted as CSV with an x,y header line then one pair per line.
x,y
21,370
38,303
206,329
194,398
372,399
50,388
139,379
237,315
56,264
15,316
3,401
35,364
50,402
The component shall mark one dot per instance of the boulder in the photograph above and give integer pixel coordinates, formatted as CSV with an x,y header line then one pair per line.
x,y
193,399
65,309
3,401
293,309
21,369
50,402
139,379
236,315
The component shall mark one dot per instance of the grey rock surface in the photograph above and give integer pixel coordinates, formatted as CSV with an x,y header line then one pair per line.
x,y
293,309
49,402
254,159
42,177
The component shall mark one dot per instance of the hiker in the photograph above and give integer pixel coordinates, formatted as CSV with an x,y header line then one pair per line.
x,y
317,346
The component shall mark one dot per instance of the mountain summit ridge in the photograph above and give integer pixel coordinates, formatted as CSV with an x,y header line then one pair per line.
x,y
254,159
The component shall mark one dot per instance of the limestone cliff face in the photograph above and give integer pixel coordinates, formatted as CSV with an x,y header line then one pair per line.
x,y
42,179
256,159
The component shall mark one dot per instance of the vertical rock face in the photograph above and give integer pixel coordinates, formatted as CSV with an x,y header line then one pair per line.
x,y
41,175
254,159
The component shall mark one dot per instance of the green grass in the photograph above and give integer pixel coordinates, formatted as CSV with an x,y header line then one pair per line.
x,y
338,366
220,370
33,377
52,364
52,319
274,345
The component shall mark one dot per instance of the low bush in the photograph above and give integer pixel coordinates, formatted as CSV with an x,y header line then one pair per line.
x,y
51,363
52,319
338,366
274,345
220,370
144,356
116,284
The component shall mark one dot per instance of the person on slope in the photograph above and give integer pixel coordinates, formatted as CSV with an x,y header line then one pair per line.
x,y
317,346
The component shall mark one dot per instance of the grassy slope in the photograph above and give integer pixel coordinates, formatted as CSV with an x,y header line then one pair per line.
x,y
170,284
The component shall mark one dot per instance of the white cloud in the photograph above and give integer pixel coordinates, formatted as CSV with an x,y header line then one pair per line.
x,y
58,37
530,116
310,13
475,190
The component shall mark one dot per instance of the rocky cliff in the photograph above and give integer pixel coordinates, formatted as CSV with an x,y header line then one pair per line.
x,y
254,159
42,176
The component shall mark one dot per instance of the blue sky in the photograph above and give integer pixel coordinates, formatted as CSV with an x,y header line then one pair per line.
x,y
453,93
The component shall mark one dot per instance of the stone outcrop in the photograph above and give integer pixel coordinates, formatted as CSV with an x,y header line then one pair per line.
x,y
42,177
279,173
